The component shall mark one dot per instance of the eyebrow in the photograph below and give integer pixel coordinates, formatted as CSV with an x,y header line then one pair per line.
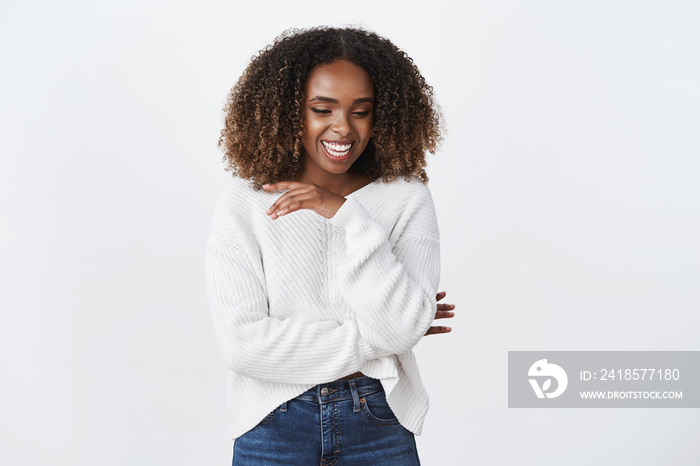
x,y
335,101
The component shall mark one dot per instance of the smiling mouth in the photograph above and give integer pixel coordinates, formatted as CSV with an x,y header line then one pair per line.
x,y
338,150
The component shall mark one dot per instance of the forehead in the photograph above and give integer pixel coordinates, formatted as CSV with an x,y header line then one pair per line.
x,y
339,79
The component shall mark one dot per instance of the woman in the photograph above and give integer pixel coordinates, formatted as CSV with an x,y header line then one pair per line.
x,y
320,292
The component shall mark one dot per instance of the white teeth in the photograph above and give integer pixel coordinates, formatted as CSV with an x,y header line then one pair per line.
x,y
339,150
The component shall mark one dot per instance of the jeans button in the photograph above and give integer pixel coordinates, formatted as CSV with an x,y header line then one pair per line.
x,y
324,392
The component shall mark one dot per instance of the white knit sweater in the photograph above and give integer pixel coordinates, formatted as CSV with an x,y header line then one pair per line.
x,y
303,300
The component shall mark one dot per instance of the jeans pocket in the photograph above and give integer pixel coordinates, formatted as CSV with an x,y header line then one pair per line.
x,y
377,409
269,417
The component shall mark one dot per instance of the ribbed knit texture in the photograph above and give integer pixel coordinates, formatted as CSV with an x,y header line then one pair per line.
x,y
303,300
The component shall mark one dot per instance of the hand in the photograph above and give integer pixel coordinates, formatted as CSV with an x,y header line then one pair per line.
x,y
303,196
444,311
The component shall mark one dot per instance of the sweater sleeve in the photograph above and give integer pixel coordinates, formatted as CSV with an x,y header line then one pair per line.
x,y
256,345
390,290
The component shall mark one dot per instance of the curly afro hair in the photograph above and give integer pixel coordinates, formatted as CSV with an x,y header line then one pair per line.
x,y
264,112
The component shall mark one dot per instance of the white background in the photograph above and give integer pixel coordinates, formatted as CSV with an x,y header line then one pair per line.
x,y
567,193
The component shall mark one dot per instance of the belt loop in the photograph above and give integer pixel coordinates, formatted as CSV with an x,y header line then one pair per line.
x,y
283,407
355,396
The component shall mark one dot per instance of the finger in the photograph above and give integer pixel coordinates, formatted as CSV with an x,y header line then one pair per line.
x,y
290,204
302,188
444,314
276,206
440,295
282,185
435,330
445,307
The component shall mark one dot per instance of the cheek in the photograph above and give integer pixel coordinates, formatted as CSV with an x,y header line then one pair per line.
x,y
367,128
312,128
308,138
308,143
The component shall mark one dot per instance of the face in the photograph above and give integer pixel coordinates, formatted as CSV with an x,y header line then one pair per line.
x,y
338,117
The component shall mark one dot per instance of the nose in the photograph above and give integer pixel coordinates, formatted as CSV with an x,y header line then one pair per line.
x,y
341,126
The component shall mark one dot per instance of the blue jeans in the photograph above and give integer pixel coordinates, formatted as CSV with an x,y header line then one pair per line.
x,y
346,422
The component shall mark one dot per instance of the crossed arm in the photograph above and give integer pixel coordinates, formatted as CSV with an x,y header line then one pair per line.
x,y
326,203
296,351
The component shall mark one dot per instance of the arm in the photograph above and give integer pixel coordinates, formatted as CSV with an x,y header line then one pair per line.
x,y
279,350
391,291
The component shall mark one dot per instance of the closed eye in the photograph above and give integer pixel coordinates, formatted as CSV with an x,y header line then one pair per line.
x,y
319,110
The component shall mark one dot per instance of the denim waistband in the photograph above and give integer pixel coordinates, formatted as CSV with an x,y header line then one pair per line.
x,y
340,390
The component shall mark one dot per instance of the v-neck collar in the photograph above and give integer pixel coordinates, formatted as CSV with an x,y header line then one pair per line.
x,y
358,190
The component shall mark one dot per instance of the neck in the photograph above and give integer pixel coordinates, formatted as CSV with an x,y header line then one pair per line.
x,y
340,183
